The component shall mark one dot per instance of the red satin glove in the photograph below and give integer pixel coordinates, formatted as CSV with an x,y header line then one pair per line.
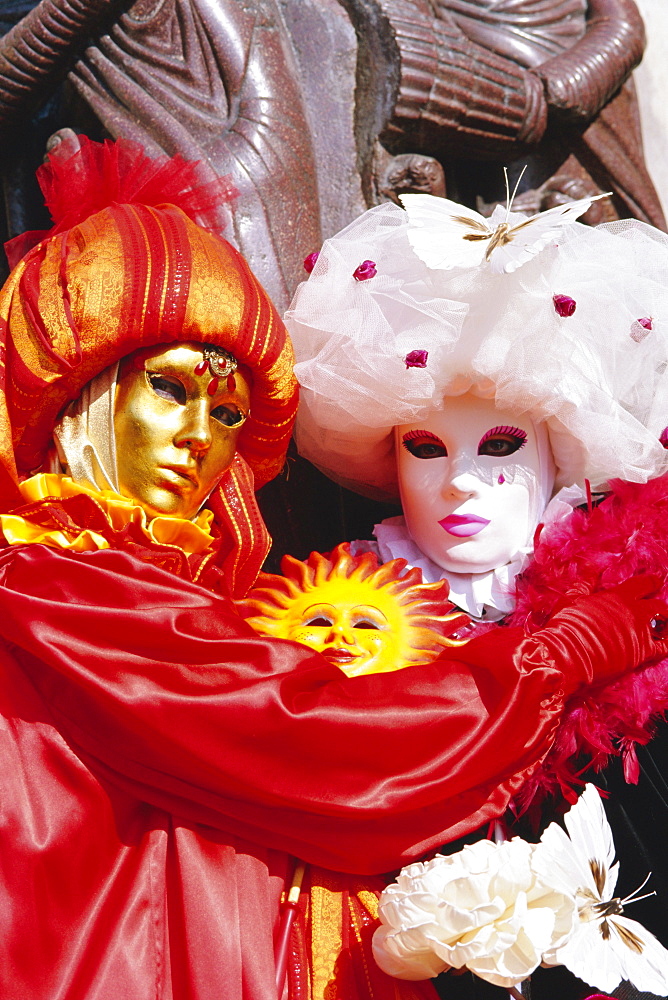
x,y
611,632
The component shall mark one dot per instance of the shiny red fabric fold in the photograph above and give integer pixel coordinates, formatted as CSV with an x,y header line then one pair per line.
x,y
153,747
195,712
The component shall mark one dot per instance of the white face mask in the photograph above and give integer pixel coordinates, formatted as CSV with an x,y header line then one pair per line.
x,y
474,481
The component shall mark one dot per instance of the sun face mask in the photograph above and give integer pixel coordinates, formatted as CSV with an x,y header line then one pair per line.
x,y
474,481
361,617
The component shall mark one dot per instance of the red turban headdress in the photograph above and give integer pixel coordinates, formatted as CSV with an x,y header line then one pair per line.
x,y
126,268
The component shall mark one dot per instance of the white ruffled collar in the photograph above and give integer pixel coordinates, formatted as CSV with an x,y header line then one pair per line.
x,y
488,595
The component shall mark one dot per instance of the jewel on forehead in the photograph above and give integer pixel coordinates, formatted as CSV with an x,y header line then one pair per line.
x,y
220,362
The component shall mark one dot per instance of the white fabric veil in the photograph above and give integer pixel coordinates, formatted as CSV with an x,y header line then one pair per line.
x,y
84,437
597,378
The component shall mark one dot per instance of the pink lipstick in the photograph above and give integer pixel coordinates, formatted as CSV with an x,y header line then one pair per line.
x,y
463,525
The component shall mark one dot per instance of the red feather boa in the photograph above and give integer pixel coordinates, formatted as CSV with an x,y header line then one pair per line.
x,y
589,551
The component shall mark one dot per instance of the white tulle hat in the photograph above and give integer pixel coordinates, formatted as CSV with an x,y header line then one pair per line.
x,y
597,378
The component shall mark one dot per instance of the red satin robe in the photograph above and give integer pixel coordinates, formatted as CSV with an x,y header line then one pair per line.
x,y
160,761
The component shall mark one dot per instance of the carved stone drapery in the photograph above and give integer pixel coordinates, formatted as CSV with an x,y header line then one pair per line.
x,y
221,82
216,82
34,55
530,80
465,81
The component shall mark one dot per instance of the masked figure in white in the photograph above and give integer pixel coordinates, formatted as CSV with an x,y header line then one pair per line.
x,y
565,346
496,378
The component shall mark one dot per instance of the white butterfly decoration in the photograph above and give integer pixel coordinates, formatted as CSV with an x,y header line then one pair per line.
x,y
446,235
605,947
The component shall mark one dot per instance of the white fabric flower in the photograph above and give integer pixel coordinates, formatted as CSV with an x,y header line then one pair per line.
x,y
483,908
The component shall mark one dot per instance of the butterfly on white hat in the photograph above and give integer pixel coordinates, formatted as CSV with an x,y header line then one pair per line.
x,y
446,235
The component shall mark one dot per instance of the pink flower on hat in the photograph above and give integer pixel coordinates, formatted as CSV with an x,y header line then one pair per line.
x,y
416,359
564,304
366,270
310,261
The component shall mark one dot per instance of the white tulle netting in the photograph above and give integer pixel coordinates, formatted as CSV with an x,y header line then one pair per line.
x,y
598,378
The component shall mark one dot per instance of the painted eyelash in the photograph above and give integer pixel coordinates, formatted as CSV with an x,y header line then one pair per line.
x,y
412,435
515,432
418,435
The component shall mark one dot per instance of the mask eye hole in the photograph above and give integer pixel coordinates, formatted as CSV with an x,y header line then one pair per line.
x,y
499,442
424,444
229,415
365,623
167,387
320,621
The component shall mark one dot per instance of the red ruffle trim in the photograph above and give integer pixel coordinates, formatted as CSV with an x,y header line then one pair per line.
x,y
80,513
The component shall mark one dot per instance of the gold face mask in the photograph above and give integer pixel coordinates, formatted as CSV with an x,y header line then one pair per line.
x,y
174,439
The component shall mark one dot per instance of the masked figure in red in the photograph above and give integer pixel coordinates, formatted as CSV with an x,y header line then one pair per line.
x,y
162,763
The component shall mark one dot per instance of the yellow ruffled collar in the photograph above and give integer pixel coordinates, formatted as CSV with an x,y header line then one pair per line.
x,y
192,537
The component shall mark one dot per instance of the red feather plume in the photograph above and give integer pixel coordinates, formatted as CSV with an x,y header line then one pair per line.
x,y
81,177
590,551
